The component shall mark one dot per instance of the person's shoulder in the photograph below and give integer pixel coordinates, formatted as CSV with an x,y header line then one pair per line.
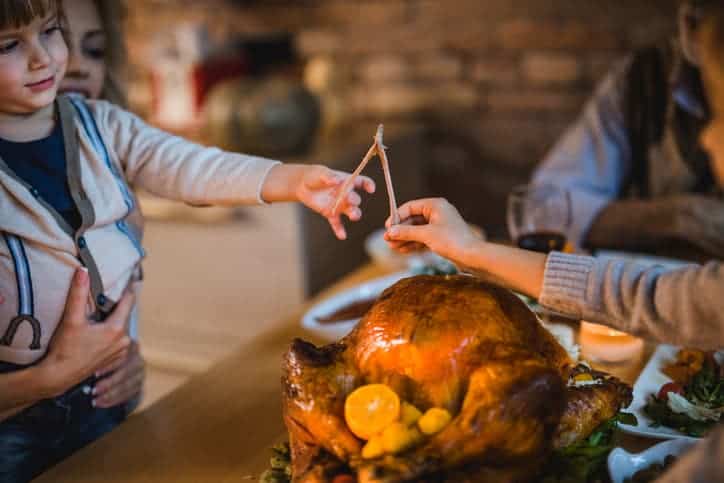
x,y
110,116
652,61
103,107
98,108
110,119
661,55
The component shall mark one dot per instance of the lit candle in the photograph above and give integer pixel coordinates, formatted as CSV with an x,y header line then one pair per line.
x,y
603,344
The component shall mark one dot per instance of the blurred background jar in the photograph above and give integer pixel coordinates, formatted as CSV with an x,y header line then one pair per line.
x,y
275,117
263,108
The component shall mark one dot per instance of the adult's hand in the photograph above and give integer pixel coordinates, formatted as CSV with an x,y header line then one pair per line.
x,y
124,382
80,347
438,226
433,223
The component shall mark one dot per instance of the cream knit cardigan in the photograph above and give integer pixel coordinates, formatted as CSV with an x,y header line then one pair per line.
x,y
106,148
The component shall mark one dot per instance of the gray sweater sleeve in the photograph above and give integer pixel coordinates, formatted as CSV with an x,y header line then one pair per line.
x,y
683,307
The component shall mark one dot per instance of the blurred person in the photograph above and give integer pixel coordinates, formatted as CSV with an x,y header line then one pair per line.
x,y
97,55
639,178
96,60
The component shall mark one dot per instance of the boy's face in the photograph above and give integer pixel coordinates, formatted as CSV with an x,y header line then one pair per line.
x,y
86,67
32,64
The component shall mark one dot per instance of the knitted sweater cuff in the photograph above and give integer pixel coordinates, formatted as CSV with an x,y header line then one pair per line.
x,y
565,281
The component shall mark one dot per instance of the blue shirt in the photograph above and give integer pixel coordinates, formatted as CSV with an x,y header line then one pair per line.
x,y
42,165
593,158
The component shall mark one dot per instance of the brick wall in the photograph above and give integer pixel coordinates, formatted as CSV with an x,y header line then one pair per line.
x,y
497,80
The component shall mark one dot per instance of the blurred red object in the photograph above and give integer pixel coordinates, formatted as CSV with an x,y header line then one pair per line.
x,y
214,70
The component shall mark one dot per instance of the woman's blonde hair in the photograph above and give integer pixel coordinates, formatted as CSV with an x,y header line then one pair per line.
x,y
112,16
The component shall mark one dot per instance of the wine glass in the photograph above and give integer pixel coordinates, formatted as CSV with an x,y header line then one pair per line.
x,y
539,217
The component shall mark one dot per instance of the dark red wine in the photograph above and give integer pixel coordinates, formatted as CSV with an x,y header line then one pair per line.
x,y
543,242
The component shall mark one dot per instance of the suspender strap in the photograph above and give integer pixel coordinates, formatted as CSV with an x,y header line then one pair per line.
x,y
26,304
91,129
68,116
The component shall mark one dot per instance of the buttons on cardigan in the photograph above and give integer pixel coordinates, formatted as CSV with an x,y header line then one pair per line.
x,y
81,242
35,192
101,300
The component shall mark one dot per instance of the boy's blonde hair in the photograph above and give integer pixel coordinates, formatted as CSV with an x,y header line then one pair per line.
x,y
18,13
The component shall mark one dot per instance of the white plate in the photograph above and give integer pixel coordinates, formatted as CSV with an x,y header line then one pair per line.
x,y
649,382
334,331
622,464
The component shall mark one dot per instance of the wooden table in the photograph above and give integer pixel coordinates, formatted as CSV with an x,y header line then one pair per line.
x,y
217,427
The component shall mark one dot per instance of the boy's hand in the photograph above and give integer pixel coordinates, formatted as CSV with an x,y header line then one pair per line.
x,y
317,187
79,347
435,224
318,190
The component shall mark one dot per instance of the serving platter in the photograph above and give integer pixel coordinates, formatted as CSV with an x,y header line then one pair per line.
x,y
649,382
622,464
333,331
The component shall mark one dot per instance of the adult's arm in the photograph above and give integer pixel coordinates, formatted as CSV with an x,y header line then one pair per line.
x,y
78,349
22,388
682,307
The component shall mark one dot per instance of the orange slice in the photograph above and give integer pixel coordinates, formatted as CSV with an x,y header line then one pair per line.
x,y
370,409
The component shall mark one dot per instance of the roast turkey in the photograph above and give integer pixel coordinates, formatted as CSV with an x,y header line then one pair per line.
x,y
452,342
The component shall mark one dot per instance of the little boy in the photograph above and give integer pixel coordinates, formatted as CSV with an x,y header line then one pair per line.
x,y
65,201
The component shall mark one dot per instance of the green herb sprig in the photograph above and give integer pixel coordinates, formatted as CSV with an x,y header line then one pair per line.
x,y
585,462
280,463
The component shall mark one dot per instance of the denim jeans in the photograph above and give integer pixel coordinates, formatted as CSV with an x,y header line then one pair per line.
x,y
51,430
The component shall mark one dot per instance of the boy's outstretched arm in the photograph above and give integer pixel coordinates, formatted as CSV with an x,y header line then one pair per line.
x,y
174,168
